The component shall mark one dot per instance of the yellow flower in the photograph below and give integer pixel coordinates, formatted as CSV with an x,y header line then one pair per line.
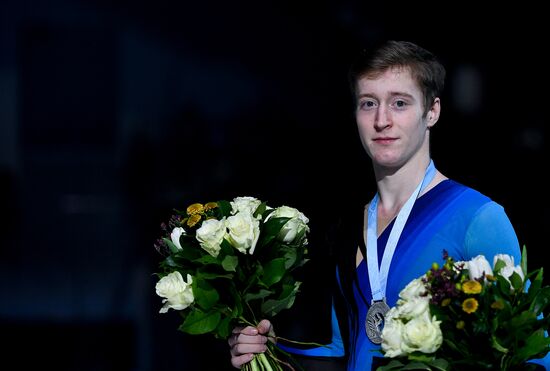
x,y
471,287
210,206
195,209
497,304
193,219
470,305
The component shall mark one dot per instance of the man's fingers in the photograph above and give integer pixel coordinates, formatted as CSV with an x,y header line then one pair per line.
x,y
264,327
244,342
248,330
246,339
240,349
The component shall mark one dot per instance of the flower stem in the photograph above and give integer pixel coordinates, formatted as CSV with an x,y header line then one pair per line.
x,y
264,362
277,338
254,364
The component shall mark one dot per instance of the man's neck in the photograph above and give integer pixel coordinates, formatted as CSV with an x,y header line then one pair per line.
x,y
395,186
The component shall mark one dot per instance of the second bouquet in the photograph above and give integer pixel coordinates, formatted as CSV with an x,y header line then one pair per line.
x,y
229,263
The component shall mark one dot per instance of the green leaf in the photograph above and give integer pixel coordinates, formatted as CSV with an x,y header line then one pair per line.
x,y
498,266
440,364
524,259
170,244
191,253
224,328
260,210
270,230
169,261
227,248
230,262
541,301
393,365
535,284
497,346
416,366
207,259
273,271
205,274
205,295
257,295
290,257
420,357
525,319
272,307
198,322
503,285
517,282
536,346
224,207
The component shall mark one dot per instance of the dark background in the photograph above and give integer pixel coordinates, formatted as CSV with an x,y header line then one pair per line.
x,y
114,112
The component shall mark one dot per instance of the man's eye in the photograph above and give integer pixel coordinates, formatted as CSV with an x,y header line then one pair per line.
x,y
367,104
400,103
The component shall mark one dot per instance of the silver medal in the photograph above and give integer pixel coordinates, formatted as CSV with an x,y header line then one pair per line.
x,y
374,322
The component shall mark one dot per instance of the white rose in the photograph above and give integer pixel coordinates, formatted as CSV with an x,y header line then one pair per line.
x,y
477,267
413,307
414,289
506,272
392,336
422,334
507,259
243,231
509,268
210,235
297,223
178,294
175,236
244,204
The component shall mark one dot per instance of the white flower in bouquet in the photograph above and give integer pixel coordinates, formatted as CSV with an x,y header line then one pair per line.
x,y
478,267
175,236
243,231
178,294
422,333
413,299
489,316
413,307
210,235
239,268
297,225
409,327
392,334
244,204
509,267
414,289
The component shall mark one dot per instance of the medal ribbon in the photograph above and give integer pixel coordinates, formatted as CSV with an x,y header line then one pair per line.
x,y
379,278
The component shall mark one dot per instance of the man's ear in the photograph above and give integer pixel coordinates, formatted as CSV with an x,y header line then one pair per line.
x,y
433,113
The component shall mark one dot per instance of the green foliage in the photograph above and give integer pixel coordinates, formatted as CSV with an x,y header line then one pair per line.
x,y
232,287
505,331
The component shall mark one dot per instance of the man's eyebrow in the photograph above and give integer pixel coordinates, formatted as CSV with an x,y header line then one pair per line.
x,y
392,94
401,94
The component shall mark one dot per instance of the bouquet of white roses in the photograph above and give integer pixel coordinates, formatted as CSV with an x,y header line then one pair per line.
x,y
231,262
469,315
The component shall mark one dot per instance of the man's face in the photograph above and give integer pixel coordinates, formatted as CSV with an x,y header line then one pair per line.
x,y
389,117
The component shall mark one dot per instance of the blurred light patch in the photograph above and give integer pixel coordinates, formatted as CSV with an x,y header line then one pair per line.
x,y
467,89
532,139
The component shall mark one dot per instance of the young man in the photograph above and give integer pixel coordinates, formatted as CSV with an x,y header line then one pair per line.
x,y
416,213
